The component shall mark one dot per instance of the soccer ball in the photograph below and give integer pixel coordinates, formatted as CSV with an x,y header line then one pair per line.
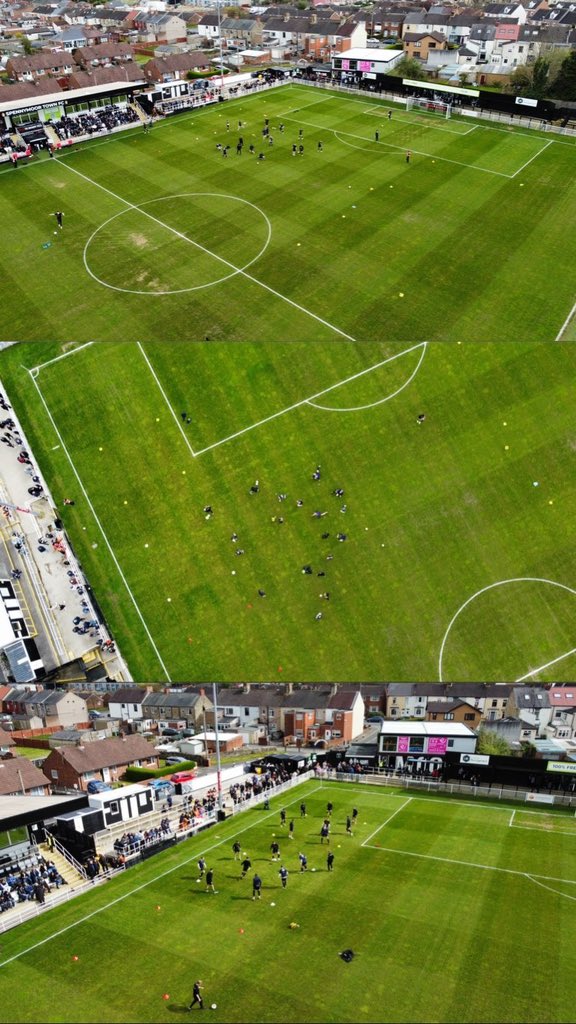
x,y
313,869
55,232
214,1006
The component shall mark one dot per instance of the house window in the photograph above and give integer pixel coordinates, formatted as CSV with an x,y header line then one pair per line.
x,y
389,744
134,707
54,775
113,807
246,711
469,716
448,716
450,743
434,717
416,744
494,703
336,733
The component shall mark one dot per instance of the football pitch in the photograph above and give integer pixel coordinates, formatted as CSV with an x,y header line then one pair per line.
x,y
455,911
165,240
449,555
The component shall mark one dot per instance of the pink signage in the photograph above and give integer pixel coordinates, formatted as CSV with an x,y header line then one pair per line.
x,y
437,744
364,65
403,745
345,65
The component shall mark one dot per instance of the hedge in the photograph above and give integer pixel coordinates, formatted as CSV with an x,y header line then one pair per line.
x,y
141,774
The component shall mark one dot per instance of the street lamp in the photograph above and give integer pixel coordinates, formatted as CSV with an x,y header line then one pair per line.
x,y
218,766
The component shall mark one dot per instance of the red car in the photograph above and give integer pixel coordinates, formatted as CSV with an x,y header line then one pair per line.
x,y
184,776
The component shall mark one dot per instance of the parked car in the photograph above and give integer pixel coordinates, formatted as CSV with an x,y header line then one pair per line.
x,y
176,759
95,786
162,788
170,732
185,776
95,714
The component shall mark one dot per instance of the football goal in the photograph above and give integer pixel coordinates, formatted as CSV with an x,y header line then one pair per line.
x,y
429,105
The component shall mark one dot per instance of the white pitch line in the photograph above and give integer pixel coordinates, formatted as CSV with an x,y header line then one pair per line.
x,y
376,831
511,822
520,169
375,112
401,149
65,355
237,270
566,895
472,864
165,397
144,885
565,324
541,668
308,401
546,831
381,401
102,531
483,590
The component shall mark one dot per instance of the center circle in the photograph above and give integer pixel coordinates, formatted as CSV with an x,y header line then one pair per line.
x,y
152,248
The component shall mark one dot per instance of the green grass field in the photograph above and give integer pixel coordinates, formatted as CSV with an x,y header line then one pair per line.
x,y
456,913
165,240
456,566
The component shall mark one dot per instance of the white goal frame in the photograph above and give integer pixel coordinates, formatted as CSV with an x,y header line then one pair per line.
x,y
429,105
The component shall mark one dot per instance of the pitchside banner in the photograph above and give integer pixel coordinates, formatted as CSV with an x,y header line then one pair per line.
x,y
437,744
569,767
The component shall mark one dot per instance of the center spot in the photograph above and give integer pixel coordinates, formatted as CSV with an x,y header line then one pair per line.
x,y
177,244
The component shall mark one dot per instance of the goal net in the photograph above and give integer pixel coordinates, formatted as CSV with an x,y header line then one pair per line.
x,y
429,105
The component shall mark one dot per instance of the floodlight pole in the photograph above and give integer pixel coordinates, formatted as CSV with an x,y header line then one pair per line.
x,y
217,735
218,6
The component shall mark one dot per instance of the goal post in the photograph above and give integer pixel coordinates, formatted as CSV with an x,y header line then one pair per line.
x,y
429,105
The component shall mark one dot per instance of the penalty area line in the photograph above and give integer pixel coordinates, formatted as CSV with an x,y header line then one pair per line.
x,y
101,528
310,398
384,823
472,864
65,355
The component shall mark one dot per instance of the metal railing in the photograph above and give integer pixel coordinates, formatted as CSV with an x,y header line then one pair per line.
x,y
55,844
481,113
457,788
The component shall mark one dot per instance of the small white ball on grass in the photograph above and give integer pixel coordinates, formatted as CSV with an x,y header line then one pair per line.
x,y
214,1006
272,904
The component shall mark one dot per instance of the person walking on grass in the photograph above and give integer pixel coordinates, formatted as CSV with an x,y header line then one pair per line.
x,y
210,880
283,876
330,861
197,996
236,850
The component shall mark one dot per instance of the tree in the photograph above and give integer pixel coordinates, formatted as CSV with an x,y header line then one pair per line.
x,y
565,84
489,742
540,72
409,67
27,45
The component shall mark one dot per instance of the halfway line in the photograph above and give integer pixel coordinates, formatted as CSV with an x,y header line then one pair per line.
x,y
220,259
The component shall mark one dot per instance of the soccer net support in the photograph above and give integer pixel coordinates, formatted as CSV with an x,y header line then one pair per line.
x,y
431,106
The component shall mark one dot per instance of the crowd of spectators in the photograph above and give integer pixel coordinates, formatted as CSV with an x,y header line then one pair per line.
x,y
93,122
33,884
135,842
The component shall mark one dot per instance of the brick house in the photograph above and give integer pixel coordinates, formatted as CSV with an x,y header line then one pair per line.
x,y
104,53
177,706
42,709
175,66
19,776
417,45
38,65
6,740
453,711
105,761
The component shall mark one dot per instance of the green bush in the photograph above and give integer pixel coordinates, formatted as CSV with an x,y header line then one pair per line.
x,y
140,774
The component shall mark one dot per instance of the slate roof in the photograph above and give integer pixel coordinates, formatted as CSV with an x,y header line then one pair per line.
x,y
173,700
106,76
104,754
128,695
18,772
6,739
